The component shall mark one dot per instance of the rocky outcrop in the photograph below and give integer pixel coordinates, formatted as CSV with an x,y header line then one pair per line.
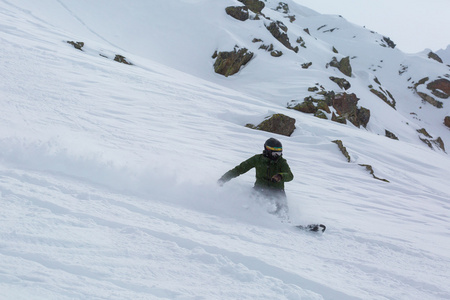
x,y
434,56
387,42
440,88
343,65
431,100
229,63
346,106
255,6
278,31
383,95
343,149
76,45
428,139
370,169
390,135
277,123
341,82
447,121
306,65
121,59
238,12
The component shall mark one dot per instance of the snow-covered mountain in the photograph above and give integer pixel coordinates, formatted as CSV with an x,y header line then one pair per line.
x,y
108,171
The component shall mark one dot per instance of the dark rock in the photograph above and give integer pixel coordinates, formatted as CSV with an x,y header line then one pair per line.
x,y
323,105
383,97
255,6
278,31
424,132
76,45
430,100
345,104
341,82
447,121
338,119
390,135
306,65
440,143
343,65
388,42
441,87
121,59
320,114
362,117
238,12
307,106
343,149
276,53
370,169
434,56
229,63
279,124
284,7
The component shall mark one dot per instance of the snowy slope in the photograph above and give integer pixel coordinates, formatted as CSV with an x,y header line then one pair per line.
x,y
108,171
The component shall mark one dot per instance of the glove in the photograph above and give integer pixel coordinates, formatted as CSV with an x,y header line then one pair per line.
x,y
276,178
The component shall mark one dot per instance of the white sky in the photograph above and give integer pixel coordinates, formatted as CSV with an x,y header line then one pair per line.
x,y
413,25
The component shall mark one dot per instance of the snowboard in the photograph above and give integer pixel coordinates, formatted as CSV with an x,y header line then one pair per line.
x,y
312,227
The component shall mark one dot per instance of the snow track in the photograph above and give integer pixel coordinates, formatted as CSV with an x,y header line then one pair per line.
x,y
58,231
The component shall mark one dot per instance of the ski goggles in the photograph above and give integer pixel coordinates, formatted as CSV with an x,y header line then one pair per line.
x,y
276,154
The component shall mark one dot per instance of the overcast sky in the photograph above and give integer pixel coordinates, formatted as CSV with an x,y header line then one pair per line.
x,y
414,25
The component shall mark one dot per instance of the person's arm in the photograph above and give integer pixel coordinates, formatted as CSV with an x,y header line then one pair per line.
x,y
286,174
244,167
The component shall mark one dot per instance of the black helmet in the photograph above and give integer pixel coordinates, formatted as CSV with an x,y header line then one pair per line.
x,y
273,148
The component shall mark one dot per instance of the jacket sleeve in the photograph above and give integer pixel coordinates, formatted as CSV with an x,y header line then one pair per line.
x,y
286,172
244,167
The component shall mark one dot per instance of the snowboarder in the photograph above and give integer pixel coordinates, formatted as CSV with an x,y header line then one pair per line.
x,y
272,171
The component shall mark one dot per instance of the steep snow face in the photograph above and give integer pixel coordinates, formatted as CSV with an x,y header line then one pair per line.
x,y
185,34
108,171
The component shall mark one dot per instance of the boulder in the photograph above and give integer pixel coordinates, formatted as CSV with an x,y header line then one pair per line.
x,y
229,63
447,121
338,119
343,149
387,42
341,82
434,56
307,106
76,45
362,117
121,59
279,124
278,31
346,106
238,12
343,65
390,135
440,88
430,100
255,6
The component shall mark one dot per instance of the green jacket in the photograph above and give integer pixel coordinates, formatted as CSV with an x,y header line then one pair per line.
x,y
265,168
